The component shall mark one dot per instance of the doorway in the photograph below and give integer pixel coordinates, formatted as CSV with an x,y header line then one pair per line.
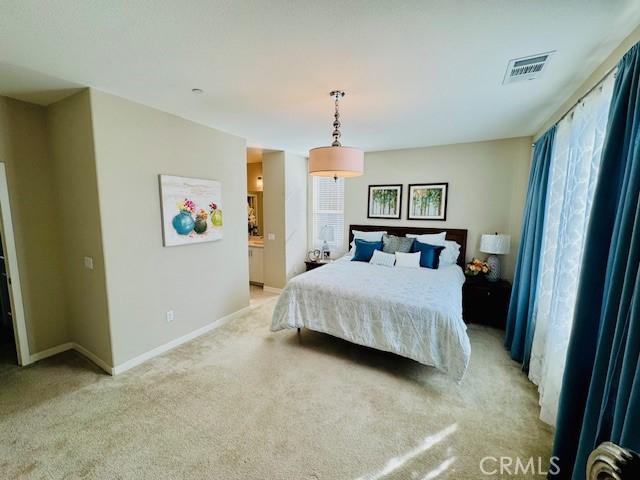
x,y
14,328
8,351
255,220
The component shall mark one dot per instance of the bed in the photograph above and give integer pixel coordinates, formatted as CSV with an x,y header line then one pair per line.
x,y
413,312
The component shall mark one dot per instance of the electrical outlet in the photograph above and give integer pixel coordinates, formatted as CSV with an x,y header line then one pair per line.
x,y
271,236
88,263
170,316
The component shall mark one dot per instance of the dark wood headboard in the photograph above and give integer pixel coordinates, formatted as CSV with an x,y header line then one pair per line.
x,y
456,234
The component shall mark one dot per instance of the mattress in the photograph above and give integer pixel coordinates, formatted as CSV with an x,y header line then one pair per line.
x,y
413,312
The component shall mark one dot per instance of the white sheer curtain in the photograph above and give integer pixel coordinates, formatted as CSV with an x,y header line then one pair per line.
x,y
572,179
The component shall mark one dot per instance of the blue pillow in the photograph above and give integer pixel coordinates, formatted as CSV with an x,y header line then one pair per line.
x,y
429,254
364,250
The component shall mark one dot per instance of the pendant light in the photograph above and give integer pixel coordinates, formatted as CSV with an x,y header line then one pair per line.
x,y
336,161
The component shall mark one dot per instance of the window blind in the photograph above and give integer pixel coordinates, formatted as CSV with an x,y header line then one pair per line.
x,y
328,209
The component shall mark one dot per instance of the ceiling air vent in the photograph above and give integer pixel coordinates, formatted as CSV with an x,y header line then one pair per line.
x,y
526,68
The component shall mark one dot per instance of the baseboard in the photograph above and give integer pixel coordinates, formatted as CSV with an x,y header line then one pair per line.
x,y
49,352
94,358
266,288
123,367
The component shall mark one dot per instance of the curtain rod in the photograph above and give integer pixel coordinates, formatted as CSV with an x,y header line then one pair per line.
x,y
597,84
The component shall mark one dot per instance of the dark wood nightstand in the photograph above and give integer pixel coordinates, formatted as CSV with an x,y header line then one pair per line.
x,y
485,302
312,265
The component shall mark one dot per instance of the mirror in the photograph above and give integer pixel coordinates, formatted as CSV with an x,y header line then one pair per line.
x,y
254,214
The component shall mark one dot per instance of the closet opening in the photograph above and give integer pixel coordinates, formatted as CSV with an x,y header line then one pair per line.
x,y
8,350
14,347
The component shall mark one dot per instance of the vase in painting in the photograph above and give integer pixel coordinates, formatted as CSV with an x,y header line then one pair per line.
x,y
183,223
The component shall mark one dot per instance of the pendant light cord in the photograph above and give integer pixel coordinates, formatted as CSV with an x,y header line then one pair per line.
x,y
336,122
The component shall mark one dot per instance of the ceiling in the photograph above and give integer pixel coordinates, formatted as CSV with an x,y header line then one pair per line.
x,y
416,73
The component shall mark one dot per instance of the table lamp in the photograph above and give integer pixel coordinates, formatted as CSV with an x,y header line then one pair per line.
x,y
494,245
326,235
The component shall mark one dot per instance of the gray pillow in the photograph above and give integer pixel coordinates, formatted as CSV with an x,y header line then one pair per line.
x,y
393,244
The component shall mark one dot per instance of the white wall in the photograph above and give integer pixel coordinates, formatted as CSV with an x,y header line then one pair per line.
x,y
79,223
273,168
285,216
296,213
200,283
610,62
487,186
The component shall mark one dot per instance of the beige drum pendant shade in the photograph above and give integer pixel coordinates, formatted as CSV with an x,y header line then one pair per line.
x,y
336,161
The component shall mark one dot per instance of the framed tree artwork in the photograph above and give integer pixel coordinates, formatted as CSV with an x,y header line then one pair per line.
x,y
385,201
427,201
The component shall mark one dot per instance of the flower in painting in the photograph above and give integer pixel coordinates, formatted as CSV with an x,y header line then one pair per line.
x,y
187,206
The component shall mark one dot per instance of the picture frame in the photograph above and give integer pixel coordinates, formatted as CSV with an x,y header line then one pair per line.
x,y
385,201
191,210
427,201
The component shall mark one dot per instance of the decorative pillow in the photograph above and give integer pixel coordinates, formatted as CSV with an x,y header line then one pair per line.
x,y
381,258
411,260
364,250
430,238
368,236
429,254
450,254
393,244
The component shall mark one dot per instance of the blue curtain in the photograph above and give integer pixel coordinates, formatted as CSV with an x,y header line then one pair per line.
x,y
520,327
600,397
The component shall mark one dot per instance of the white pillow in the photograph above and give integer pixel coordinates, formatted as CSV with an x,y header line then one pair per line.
x,y
436,239
411,260
449,256
381,258
366,236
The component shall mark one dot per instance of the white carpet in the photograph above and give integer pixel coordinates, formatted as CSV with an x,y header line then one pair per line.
x,y
244,403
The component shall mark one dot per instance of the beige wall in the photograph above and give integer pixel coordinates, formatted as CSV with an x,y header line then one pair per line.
x,y
80,235
610,62
25,151
254,170
487,185
295,214
200,283
254,155
273,169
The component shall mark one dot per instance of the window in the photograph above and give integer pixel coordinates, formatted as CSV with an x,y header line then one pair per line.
x,y
573,174
328,209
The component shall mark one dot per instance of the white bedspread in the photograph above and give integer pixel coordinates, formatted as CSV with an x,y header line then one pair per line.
x,y
414,312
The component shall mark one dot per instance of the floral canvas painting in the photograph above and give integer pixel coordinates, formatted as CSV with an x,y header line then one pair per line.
x,y
191,210
427,201
384,201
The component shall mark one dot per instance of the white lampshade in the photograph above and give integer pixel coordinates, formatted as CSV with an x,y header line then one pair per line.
x,y
495,244
326,233
336,162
